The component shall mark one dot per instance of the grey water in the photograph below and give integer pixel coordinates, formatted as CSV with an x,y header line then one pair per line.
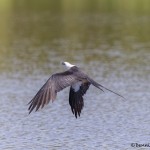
x,y
109,41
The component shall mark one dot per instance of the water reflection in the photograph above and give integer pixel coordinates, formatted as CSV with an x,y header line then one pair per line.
x,y
110,40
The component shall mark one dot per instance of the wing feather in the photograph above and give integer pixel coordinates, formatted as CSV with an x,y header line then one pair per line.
x,y
54,84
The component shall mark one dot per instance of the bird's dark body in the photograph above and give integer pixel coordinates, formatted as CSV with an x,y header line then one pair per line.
x,y
59,81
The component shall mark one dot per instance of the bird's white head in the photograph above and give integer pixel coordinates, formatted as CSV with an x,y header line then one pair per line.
x,y
67,65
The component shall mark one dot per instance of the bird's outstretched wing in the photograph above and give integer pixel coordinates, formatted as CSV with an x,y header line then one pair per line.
x,y
54,84
79,73
76,98
101,87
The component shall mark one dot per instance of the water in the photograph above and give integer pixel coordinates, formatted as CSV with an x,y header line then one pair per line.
x,y
111,44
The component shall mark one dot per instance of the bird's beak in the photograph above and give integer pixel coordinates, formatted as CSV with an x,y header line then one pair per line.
x,y
63,63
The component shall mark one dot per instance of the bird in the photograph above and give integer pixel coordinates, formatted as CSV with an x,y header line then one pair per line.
x,y
73,77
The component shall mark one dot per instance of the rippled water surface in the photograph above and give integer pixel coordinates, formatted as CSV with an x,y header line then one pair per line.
x,y
111,44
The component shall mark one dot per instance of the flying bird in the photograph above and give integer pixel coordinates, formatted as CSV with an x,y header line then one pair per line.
x,y
79,83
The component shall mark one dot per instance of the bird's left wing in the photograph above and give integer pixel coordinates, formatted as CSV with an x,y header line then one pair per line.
x,y
54,84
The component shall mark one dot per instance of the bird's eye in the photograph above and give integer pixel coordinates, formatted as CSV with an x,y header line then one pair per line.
x,y
63,63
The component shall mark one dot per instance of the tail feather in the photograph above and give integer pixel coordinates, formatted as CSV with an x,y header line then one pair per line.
x,y
76,102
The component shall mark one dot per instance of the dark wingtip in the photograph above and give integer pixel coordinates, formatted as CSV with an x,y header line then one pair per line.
x,y
29,102
31,107
30,112
124,98
112,92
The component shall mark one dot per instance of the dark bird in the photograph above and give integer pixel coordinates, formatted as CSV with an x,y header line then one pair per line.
x,y
79,83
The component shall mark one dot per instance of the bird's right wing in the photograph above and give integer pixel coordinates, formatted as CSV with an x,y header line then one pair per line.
x,y
82,75
54,84
101,87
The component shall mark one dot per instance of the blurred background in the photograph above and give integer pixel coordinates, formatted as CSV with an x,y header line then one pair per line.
x,y
109,39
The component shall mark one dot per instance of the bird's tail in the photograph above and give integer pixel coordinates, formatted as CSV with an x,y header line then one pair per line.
x,y
76,102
